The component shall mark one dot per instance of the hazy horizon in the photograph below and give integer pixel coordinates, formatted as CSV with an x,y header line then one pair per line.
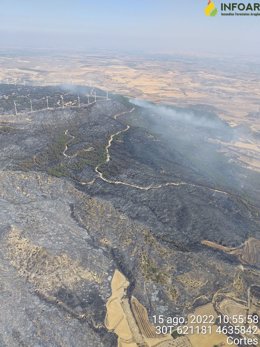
x,y
164,26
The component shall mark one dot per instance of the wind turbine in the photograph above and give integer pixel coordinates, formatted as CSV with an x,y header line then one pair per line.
x,y
62,101
15,108
78,101
47,102
31,105
95,96
88,99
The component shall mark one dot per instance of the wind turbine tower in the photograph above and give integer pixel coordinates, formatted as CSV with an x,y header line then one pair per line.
x,y
47,102
62,101
88,98
95,96
78,101
15,108
31,105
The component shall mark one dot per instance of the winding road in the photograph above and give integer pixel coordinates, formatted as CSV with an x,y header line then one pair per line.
x,y
72,137
127,184
66,146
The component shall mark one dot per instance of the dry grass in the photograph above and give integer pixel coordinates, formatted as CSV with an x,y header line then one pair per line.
x,y
189,280
46,271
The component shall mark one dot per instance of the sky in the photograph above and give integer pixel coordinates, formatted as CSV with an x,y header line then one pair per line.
x,y
148,26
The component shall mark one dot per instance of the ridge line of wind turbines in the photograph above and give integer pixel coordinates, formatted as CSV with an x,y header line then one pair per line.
x,y
63,105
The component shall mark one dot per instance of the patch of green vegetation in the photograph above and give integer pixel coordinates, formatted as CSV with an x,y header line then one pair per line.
x,y
110,170
93,158
151,271
52,155
58,171
55,149
78,165
50,159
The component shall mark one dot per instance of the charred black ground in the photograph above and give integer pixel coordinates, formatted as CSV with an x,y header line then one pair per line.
x,y
144,210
